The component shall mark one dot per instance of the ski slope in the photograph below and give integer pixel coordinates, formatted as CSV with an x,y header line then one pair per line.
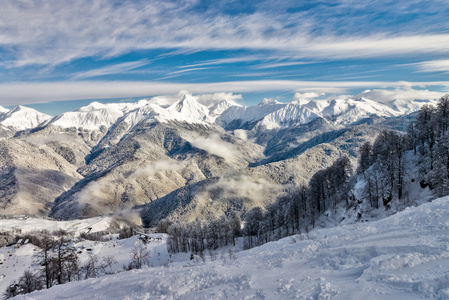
x,y
404,256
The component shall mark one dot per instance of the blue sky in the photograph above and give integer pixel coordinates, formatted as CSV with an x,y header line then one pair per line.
x,y
55,52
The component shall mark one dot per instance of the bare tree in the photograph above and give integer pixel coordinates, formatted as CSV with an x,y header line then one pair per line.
x,y
106,264
30,282
91,267
141,255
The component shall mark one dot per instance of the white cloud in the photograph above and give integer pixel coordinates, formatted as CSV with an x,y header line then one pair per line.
x,y
41,92
96,195
239,185
156,168
204,99
210,99
399,94
306,97
241,134
214,145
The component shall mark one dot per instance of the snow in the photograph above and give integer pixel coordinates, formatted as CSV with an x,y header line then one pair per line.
x,y
87,119
189,107
247,113
404,256
347,111
271,114
21,118
289,115
217,109
406,106
13,262
268,101
77,226
3,110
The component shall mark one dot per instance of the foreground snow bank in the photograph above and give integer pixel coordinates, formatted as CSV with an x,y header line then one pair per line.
x,y
405,256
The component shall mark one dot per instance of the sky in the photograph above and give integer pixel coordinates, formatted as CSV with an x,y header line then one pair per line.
x,y
57,55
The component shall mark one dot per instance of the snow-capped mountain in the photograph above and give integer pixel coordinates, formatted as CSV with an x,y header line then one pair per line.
x,y
21,118
219,108
402,106
271,114
189,107
239,116
102,145
348,111
90,117
287,116
3,110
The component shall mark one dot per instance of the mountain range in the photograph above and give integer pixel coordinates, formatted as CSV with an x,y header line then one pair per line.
x,y
187,158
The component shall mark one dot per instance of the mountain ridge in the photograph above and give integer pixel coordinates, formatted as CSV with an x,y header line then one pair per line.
x,y
119,156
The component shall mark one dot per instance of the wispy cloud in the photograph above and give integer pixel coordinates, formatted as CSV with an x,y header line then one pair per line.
x,y
224,61
188,70
55,32
281,64
112,69
433,66
182,72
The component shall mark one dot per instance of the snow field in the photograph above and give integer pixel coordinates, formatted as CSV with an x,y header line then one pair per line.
x,y
15,260
405,256
96,224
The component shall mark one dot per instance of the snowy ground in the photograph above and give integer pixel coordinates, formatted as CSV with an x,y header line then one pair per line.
x,y
14,260
77,226
405,256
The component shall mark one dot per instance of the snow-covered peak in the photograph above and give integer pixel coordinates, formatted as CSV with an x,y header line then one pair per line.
x,y
90,117
21,118
3,110
348,111
246,114
190,107
220,107
90,120
268,101
290,115
155,113
93,106
406,106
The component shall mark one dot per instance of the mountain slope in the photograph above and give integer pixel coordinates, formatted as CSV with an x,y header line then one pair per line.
x,y
152,160
32,177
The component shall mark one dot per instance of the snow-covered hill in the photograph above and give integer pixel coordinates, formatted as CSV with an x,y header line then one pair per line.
x,y
406,107
21,118
341,112
348,111
3,110
89,117
405,256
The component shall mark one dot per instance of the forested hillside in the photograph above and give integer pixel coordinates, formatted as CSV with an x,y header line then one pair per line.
x,y
391,173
